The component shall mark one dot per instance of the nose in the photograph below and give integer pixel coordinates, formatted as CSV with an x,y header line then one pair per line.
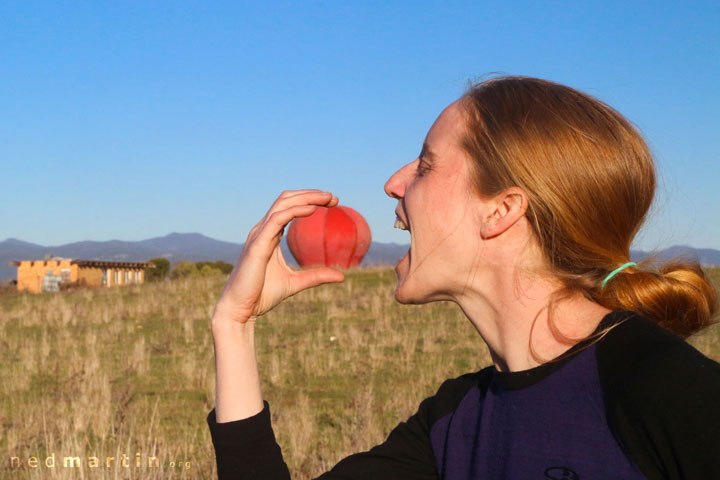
x,y
396,184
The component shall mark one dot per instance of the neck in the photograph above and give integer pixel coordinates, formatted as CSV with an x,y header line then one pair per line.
x,y
514,309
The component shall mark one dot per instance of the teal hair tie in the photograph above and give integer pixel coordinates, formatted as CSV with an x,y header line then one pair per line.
x,y
616,271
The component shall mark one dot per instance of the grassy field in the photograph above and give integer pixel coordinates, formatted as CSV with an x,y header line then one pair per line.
x,y
129,372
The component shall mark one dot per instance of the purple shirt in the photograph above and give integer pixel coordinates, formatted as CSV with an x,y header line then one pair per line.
x,y
533,425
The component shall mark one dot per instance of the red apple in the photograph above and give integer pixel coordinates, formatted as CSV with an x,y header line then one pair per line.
x,y
335,237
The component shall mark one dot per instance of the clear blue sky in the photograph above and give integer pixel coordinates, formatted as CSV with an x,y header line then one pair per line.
x,y
133,119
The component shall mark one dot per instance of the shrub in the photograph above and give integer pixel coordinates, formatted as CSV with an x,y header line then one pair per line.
x,y
222,267
185,269
208,271
161,270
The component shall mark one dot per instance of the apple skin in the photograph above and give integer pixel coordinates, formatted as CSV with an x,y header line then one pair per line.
x,y
334,237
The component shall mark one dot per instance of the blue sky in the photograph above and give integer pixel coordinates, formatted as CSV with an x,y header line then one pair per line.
x,y
133,119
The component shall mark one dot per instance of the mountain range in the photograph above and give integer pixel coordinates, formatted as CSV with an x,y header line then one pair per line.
x,y
175,247
197,247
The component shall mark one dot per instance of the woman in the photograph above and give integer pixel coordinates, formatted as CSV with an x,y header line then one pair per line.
x,y
521,209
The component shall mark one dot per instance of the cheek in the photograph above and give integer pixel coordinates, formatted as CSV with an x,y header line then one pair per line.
x,y
436,211
448,207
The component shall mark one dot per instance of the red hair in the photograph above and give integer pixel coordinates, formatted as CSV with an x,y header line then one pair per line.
x,y
590,180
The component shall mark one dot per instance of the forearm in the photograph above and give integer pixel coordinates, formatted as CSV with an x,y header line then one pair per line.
x,y
237,382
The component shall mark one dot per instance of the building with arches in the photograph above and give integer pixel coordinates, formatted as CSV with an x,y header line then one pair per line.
x,y
48,275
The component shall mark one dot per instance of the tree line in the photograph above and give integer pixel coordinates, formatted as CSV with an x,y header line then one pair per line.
x,y
163,269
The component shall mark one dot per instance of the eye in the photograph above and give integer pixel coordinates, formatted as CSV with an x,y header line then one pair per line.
x,y
422,168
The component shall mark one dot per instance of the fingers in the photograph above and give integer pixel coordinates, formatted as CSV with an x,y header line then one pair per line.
x,y
278,220
309,198
290,198
268,237
305,197
289,193
316,276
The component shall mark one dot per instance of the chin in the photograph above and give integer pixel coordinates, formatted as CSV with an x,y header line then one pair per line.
x,y
404,294
400,298
400,294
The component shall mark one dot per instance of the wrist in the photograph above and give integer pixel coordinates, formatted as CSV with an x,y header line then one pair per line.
x,y
222,325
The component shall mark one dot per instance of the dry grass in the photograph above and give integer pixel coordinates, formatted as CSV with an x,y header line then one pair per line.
x,y
102,373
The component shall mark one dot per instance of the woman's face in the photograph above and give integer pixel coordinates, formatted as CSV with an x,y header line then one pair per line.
x,y
435,204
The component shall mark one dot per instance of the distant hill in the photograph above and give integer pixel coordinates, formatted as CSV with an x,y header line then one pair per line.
x,y
706,256
175,247
197,247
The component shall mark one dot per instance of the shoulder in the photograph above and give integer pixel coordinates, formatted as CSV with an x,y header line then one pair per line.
x,y
659,397
639,360
451,393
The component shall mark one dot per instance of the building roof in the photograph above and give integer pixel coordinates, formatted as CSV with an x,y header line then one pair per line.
x,y
95,263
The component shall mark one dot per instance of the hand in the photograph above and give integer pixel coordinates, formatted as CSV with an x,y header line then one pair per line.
x,y
261,279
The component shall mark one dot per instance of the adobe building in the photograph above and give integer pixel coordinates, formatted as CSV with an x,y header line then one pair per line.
x,y
37,276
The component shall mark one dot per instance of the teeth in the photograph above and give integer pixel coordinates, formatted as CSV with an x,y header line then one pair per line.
x,y
400,224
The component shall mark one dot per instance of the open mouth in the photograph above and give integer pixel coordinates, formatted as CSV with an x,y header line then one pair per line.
x,y
401,225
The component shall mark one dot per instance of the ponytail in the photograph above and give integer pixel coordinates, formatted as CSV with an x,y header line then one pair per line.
x,y
677,295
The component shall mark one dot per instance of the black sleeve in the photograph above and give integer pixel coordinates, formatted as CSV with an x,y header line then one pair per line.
x,y
246,449
661,398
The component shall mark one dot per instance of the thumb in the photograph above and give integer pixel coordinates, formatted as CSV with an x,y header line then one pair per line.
x,y
318,275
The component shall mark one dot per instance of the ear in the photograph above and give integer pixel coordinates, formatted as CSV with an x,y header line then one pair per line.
x,y
505,209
